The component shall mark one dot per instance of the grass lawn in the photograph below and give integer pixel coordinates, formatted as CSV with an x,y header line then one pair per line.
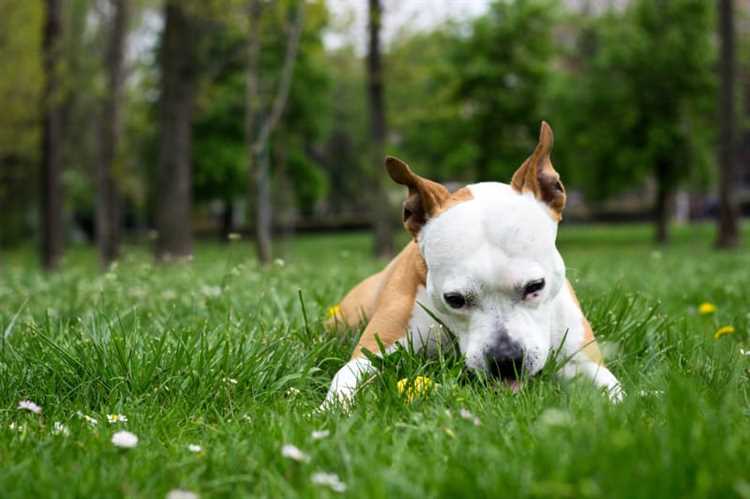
x,y
217,353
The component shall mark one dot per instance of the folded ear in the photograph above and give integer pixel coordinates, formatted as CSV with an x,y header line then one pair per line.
x,y
425,197
538,176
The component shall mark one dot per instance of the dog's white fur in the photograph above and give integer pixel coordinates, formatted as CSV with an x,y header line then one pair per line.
x,y
489,247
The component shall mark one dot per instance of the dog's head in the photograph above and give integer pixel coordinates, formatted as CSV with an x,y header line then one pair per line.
x,y
493,269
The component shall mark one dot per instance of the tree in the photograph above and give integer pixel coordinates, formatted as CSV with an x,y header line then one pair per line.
x,y
220,165
20,123
728,224
381,213
179,73
108,197
430,128
503,68
261,123
51,177
640,107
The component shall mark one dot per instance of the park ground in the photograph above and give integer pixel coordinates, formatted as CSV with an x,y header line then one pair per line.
x,y
233,360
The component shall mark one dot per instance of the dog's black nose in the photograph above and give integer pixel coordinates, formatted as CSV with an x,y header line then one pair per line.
x,y
505,359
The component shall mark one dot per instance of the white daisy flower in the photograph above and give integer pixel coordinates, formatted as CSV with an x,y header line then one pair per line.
x,y
320,434
117,418
28,405
194,448
91,421
60,429
124,440
181,494
470,417
330,480
289,451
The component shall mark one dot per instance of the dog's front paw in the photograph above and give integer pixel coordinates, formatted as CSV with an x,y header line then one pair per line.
x,y
615,393
337,398
345,383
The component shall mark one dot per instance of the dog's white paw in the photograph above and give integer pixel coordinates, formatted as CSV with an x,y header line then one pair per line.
x,y
615,393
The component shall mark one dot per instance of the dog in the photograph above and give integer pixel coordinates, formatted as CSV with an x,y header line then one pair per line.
x,y
482,270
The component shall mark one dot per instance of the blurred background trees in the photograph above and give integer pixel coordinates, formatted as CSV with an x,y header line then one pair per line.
x,y
128,118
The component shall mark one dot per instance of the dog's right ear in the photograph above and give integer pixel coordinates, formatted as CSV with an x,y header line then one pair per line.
x,y
425,197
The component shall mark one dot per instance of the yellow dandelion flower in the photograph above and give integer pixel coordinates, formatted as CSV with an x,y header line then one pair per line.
x,y
334,312
723,331
706,308
413,389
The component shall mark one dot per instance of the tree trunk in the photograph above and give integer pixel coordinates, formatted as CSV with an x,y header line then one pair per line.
x,y
227,219
51,188
381,213
258,130
108,198
178,82
664,200
728,224
263,210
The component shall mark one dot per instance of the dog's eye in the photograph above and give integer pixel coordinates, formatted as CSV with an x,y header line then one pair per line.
x,y
533,287
455,300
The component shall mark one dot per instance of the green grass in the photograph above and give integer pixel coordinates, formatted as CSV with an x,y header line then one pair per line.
x,y
162,344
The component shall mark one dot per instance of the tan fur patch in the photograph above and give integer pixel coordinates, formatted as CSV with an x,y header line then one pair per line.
x,y
591,349
460,196
394,301
387,298
538,176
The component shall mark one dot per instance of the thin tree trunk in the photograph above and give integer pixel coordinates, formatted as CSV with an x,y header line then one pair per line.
x,y
227,219
178,82
108,198
284,198
257,130
728,224
664,201
263,212
381,213
51,188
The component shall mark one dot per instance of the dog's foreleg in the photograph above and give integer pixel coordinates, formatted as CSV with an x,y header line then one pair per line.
x,y
602,377
347,380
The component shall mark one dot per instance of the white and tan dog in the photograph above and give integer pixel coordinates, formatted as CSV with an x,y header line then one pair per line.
x,y
484,263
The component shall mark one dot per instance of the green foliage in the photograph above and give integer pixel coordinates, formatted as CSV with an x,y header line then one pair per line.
x,y
642,97
21,84
344,153
503,67
217,353
429,128
219,151
20,130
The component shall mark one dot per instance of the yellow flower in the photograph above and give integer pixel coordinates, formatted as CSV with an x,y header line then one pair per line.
x,y
706,308
724,330
413,389
334,312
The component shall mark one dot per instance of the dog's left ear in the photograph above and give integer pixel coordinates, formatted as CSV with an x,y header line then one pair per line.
x,y
425,196
538,176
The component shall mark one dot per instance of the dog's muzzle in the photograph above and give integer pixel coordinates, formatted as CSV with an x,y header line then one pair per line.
x,y
505,359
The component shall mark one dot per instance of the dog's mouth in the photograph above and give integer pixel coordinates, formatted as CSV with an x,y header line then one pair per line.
x,y
509,371
515,385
